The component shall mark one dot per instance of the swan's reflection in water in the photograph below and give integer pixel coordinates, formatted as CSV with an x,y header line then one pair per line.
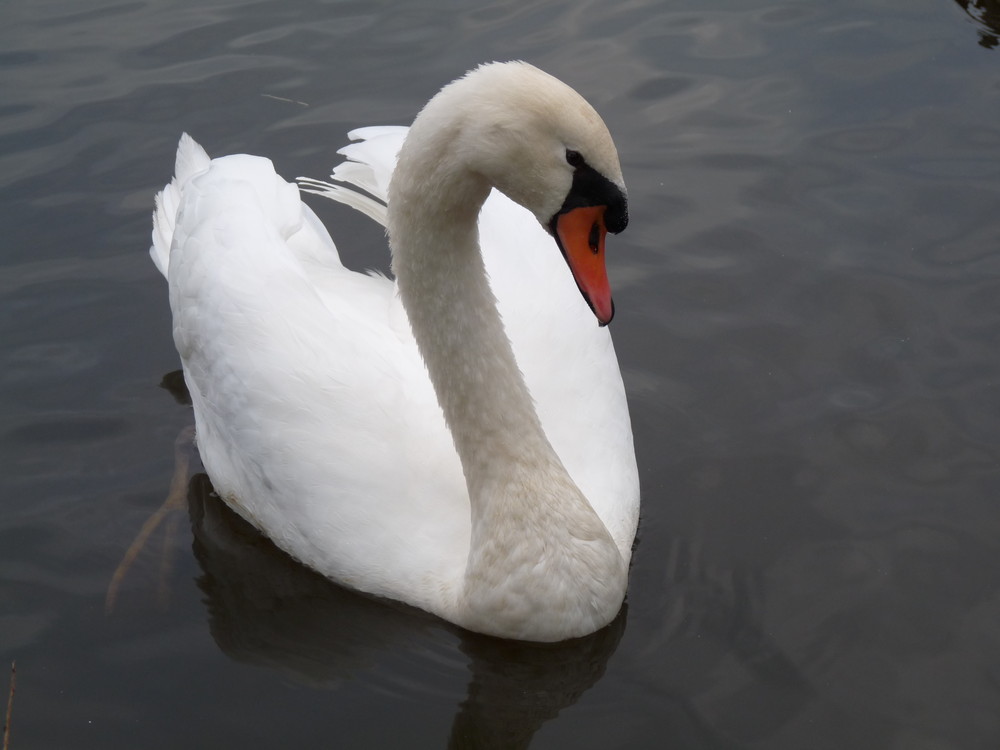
x,y
987,14
266,609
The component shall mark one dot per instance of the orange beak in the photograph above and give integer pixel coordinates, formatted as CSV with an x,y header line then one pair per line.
x,y
580,234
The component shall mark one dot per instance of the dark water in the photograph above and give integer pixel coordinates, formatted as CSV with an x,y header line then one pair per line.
x,y
808,322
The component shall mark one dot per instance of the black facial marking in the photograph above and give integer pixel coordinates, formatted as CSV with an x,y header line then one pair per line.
x,y
591,188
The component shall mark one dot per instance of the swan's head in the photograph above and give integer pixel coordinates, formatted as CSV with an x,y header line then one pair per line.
x,y
539,142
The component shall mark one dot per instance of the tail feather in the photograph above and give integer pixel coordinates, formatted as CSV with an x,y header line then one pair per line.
x,y
369,165
364,178
191,160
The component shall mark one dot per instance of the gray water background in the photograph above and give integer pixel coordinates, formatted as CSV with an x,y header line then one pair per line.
x,y
808,303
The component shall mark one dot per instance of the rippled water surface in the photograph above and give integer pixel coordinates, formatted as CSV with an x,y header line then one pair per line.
x,y
808,323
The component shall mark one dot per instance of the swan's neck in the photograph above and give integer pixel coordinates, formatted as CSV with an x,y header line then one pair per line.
x,y
538,550
453,313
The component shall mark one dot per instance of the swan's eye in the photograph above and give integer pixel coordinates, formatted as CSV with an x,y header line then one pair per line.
x,y
574,158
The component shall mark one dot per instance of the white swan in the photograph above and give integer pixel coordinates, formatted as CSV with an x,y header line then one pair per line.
x,y
504,503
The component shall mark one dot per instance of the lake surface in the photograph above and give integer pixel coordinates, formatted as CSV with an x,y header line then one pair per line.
x,y
808,324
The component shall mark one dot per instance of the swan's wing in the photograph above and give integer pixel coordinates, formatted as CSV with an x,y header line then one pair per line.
x,y
316,418
568,361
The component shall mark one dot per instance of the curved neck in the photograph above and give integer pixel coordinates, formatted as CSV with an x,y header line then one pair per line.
x,y
541,564
445,290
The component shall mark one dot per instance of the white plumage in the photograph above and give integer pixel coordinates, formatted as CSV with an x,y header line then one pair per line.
x,y
317,420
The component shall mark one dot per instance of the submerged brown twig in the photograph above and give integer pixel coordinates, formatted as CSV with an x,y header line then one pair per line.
x,y
10,705
176,499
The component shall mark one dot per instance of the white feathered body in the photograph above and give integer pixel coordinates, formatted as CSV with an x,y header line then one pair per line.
x,y
316,420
